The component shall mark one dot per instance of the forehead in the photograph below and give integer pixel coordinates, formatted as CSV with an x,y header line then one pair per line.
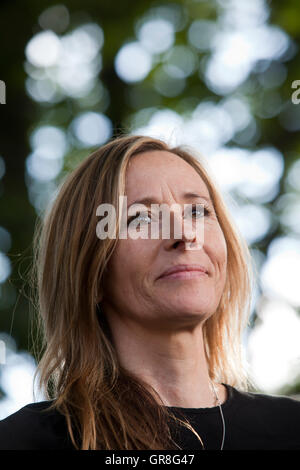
x,y
160,170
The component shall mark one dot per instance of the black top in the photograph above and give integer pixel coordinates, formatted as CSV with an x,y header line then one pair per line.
x,y
253,421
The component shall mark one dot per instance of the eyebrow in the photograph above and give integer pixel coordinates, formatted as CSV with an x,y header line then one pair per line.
x,y
148,200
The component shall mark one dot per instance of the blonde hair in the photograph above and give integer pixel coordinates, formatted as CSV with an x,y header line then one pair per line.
x,y
79,369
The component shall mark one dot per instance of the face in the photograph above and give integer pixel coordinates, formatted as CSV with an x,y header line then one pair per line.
x,y
133,289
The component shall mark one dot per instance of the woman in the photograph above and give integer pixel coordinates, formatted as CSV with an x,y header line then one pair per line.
x,y
143,335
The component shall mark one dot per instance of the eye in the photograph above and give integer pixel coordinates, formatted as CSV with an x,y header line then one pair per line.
x,y
204,210
140,218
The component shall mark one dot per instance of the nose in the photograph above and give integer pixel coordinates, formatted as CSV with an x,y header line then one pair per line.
x,y
186,231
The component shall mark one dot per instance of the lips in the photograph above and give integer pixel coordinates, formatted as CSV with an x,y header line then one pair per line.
x,y
183,268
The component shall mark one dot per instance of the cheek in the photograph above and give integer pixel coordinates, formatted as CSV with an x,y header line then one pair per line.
x,y
129,263
214,233
138,254
216,246
222,249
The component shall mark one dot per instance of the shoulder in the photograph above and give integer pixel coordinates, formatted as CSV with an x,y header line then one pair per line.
x,y
273,420
265,401
35,426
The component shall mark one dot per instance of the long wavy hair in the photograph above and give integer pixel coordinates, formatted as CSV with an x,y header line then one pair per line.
x,y
107,407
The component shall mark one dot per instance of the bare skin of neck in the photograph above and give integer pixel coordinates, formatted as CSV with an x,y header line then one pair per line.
x,y
173,363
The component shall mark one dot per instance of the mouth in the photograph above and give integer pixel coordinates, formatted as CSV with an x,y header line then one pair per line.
x,y
184,272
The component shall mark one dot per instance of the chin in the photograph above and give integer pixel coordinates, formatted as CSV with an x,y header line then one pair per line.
x,y
188,320
190,309
190,301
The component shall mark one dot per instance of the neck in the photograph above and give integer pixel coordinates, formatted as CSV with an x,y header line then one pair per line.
x,y
173,363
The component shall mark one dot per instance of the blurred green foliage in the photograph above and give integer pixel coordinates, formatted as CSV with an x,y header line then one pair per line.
x,y
19,23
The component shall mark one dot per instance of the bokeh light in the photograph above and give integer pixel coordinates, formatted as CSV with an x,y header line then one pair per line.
x,y
19,368
156,35
56,18
41,42
281,272
133,62
92,129
5,267
201,34
210,75
273,346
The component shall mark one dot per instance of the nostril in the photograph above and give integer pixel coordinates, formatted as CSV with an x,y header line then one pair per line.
x,y
176,244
